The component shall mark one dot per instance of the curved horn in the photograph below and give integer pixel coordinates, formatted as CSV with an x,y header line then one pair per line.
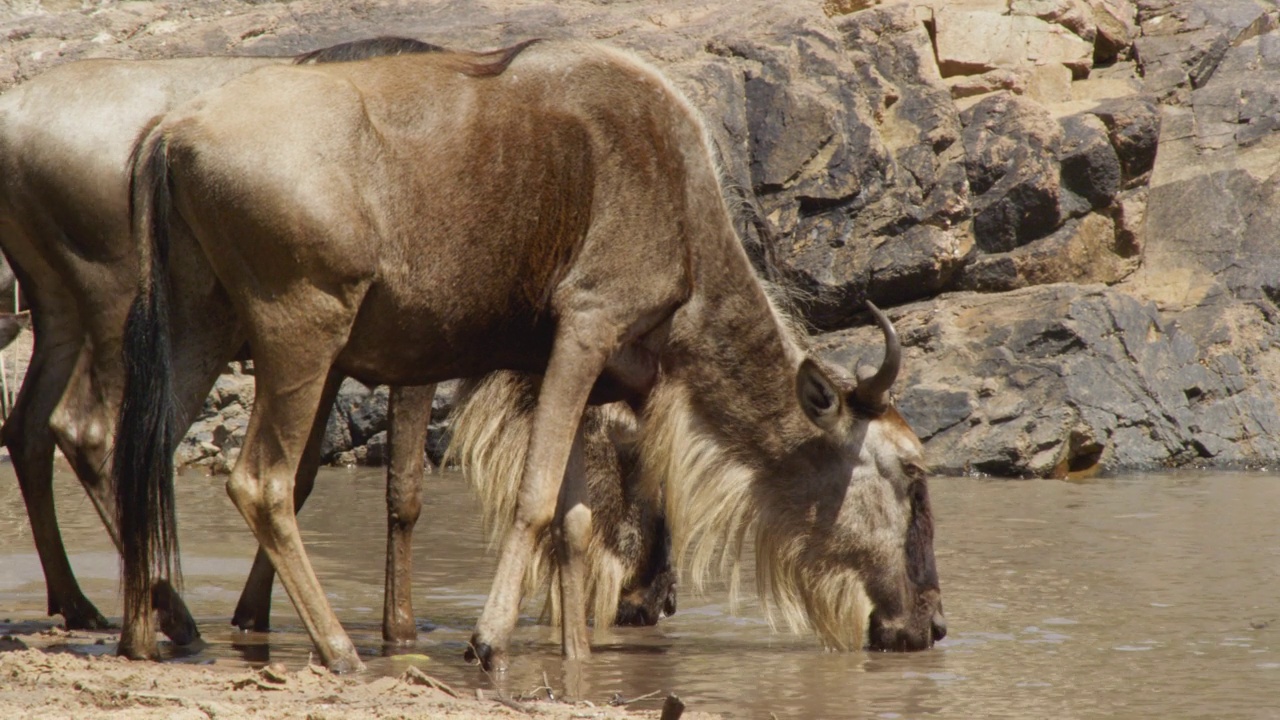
x,y
873,392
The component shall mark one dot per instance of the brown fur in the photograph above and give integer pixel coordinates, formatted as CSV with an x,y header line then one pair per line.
x,y
405,223
64,221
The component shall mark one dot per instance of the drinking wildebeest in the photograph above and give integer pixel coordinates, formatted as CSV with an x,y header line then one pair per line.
x,y
490,427
64,219
550,208
793,567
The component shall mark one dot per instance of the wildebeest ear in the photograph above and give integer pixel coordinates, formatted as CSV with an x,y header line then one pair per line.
x,y
818,395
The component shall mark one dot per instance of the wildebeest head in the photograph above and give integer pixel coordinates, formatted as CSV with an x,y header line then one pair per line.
x,y
871,520
837,501
651,593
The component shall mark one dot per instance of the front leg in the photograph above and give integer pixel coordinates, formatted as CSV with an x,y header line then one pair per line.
x,y
579,354
290,385
573,534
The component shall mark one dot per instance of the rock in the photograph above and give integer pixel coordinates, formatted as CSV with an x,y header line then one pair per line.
x,y
1088,250
1133,125
337,436
1074,15
1015,80
1048,84
901,167
1012,147
230,433
970,42
1054,380
1089,167
369,416
1116,24
375,450
437,442
1182,43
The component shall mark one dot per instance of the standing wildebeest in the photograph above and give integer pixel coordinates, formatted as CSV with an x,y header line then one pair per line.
x,y
550,209
65,139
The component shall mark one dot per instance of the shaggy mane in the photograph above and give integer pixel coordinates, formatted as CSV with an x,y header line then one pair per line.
x,y
714,504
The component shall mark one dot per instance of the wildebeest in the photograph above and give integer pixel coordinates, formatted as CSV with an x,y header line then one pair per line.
x,y
794,560
490,427
65,139
549,208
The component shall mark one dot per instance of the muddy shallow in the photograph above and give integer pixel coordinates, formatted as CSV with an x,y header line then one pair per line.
x,y
1137,596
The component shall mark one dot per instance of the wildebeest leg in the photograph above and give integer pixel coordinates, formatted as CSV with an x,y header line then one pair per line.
x,y
29,438
579,355
573,532
408,418
253,611
290,385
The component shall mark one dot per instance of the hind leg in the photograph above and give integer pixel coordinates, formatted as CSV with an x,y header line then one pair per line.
x,y
290,385
253,611
30,440
82,422
409,417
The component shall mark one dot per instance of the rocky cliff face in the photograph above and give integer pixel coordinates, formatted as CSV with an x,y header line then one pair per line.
x,y
1069,207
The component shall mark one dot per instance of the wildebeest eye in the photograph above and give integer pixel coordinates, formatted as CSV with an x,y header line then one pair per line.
x,y
914,472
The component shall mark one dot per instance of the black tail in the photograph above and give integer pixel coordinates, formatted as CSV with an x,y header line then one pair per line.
x,y
142,465
365,49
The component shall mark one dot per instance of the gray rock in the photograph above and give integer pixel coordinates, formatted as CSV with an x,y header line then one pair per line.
x,y
1012,147
1061,379
375,450
1089,166
1133,125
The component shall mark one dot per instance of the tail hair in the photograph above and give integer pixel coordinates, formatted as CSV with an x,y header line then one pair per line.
x,y
142,461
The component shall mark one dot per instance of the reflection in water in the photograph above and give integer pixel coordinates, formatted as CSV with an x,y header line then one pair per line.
x,y
1141,596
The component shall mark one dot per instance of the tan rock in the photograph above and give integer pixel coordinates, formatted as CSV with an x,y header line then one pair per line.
x,y
835,8
1014,80
1074,15
1117,26
972,42
1049,84
1090,250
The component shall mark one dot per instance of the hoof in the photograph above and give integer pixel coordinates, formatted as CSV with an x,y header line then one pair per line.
x,y
248,618
175,619
346,665
483,652
83,616
137,651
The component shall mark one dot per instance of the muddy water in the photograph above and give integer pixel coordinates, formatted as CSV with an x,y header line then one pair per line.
x,y
1142,596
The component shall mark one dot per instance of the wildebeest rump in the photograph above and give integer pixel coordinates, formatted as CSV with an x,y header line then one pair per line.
x,y
551,208
65,139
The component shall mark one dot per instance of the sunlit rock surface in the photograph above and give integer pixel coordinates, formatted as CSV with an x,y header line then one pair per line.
x,y
1068,206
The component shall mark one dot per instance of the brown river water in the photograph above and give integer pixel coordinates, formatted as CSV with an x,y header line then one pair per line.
x,y
1139,596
